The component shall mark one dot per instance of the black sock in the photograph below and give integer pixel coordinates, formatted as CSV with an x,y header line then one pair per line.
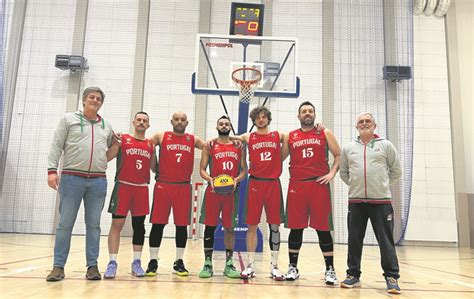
x,y
329,260
208,254
229,253
293,258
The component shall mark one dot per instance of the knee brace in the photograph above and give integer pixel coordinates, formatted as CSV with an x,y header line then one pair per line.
x,y
156,235
209,237
325,241
295,239
181,236
138,225
274,239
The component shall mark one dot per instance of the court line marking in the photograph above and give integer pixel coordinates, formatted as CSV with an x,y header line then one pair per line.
x,y
280,284
21,270
28,260
242,266
466,284
433,269
246,281
436,270
38,258
24,245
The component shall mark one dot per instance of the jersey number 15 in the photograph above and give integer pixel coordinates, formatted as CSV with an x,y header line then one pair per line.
x,y
308,152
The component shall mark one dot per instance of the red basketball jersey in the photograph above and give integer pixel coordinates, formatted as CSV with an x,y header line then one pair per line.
x,y
133,161
176,159
309,154
225,159
265,155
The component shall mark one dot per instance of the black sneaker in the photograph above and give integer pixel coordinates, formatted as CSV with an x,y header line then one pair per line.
x,y
179,268
152,268
392,285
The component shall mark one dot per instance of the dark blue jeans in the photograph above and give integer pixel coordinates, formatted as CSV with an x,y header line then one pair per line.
x,y
381,217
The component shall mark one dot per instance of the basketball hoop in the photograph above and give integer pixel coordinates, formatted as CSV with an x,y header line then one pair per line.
x,y
246,80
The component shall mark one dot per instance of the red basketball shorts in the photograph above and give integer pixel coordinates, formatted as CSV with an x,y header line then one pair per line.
x,y
264,194
215,204
129,198
171,195
308,200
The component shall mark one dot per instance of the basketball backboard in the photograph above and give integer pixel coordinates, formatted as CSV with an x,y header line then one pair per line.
x,y
217,56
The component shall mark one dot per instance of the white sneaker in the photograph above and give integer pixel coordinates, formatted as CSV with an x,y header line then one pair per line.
x,y
293,273
249,272
275,273
330,276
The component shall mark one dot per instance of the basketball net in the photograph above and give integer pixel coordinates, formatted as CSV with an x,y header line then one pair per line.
x,y
246,79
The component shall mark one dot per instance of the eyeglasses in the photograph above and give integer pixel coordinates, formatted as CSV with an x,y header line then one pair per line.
x,y
364,121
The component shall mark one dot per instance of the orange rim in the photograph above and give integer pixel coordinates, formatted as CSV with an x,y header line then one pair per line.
x,y
246,83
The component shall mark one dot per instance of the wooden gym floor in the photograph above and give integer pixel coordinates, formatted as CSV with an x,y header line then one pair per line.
x,y
426,272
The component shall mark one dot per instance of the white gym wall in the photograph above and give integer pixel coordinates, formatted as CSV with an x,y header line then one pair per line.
x,y
111,31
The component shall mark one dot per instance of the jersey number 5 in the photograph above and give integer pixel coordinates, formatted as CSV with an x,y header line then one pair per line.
x,y
139,164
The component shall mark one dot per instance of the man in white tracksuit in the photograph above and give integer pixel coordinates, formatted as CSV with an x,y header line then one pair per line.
x,y
369,166
82,139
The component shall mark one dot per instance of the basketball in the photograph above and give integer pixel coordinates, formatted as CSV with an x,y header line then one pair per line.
x,y
223,184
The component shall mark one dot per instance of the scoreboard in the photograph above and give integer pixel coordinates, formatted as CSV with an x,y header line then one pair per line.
x,y
246,19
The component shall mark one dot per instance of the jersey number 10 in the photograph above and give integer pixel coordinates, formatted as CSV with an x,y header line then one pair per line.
x,y
228,165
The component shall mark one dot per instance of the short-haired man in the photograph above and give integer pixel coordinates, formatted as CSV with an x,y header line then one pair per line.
x,y
309,197
224,157
82,138
369,166
173,190
135,157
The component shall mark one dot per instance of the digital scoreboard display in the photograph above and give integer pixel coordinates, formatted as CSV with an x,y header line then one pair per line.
x,y
246,19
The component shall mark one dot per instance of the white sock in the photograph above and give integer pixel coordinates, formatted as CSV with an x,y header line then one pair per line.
x,y
113,257
179,253
137,255
154,253
251,257
274,255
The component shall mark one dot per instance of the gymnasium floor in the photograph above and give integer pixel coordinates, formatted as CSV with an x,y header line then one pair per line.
x,y
426,272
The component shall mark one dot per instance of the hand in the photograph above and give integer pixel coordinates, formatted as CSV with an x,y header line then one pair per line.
x,y
212,184
319,128
325,179
53,181
209,144
117,138
238,144
235,185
